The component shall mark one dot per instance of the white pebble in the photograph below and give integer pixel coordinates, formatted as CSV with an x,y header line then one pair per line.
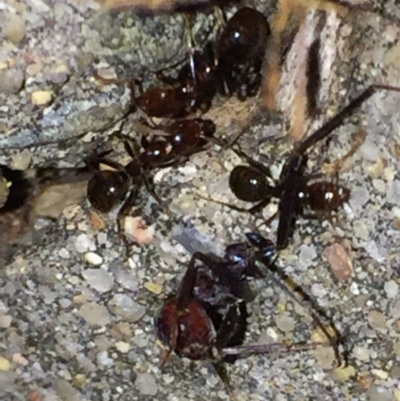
x,y
103,359
318,290
122,346
391,288
93,258
99,279
354,288
63,253
82,243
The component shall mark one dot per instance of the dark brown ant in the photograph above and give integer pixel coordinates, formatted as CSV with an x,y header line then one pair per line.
x,y
185,137
207,319
107,188
236,64
250,183
241,49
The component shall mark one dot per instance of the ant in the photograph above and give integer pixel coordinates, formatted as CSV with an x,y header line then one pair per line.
x,y
236,64
250,184
241,49
107,188
207,318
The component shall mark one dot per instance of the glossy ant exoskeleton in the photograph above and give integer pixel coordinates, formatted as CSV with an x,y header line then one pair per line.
x,y
206,320
233,67
250,183
107,188
241,49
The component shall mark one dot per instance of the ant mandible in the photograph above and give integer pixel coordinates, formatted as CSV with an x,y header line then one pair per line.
x,y
250,184
207,319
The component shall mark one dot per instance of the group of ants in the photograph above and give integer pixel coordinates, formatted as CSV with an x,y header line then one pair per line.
x,y
207,318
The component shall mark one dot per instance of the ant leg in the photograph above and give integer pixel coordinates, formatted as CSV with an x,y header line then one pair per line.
x,y
244,351
298,295
338,165
150,189
254,209
338,119
223,375
190,44
189,279
254,163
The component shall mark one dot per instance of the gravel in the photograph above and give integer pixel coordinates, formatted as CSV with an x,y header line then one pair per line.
x,y
76,317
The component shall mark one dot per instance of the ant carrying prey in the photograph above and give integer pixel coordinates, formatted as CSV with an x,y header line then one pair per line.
x,y
250,183
207,319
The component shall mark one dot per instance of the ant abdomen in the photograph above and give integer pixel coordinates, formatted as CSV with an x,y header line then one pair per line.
x,y
326,197
248,184
244,36
106,189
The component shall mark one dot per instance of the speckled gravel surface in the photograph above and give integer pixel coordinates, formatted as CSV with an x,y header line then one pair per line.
x,y
76,318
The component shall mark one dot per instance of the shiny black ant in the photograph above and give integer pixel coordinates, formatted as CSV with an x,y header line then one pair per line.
x,y
207,318
250,183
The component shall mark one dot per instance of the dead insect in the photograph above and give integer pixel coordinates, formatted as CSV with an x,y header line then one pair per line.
x,y
207,318
294,190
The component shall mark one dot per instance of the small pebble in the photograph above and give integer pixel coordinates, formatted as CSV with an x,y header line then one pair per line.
x,y
340,261
122,346
21,160
15,28
391,288
377,320
344,373
380,374
104,360
99,279
126,308
325,357
11,81
127,280
82,243
96,221
93,258
318,290
153,287
361,353
307,254
94,314
5,365
5,321
285,323
41,98
146,384
376,393
19,359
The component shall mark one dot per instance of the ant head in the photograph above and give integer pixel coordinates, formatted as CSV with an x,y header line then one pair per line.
x,y
239,258
266,250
